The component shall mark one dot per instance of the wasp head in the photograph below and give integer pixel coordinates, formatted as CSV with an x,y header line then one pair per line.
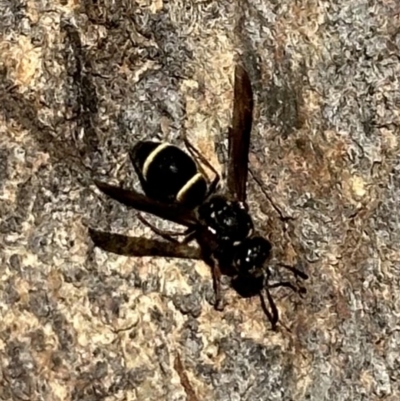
x,y
250,256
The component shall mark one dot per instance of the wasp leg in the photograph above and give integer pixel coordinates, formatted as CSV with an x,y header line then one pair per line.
x,y
197,155
273,315
168,235
216,274
189,237
189,234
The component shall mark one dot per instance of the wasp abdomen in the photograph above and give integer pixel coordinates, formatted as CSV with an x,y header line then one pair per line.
x,y
167,173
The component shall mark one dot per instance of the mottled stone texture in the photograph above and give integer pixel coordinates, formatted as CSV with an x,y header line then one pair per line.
x,y
81,81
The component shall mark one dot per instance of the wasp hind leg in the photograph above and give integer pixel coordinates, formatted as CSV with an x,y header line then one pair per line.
x,y
272,313
166,234
216,275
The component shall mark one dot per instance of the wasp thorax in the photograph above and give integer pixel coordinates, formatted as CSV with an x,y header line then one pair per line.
x,y
226,219
251,255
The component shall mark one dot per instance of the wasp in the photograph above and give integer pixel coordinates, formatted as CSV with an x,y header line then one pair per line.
x,y
176,188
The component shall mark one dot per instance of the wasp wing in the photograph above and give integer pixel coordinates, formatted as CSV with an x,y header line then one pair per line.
x,y
139,246
239,135
172,212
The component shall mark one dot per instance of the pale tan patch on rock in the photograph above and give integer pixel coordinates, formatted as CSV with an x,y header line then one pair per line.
x,y
367,380
154,6
203,270
173,281
312,101
18,323
23,60
213,328
358,187
390,138
32,11
90,330
140,70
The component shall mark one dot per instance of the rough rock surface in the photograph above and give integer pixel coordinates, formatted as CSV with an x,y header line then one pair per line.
x,y
81,81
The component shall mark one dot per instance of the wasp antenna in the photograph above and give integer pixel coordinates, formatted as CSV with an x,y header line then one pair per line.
x,y
284,215
296,272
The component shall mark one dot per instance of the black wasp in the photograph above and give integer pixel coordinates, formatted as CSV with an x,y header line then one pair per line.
x,y
176,189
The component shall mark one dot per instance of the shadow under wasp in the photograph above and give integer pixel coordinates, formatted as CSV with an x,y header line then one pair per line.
x,y
176,189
